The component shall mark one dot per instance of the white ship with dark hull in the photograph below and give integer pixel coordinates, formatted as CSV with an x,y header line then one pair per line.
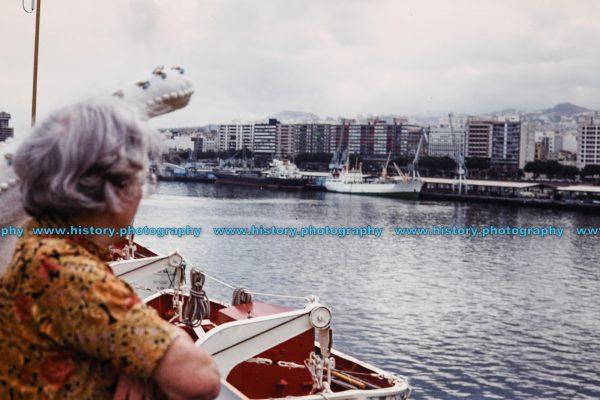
x,y
354,182
345,180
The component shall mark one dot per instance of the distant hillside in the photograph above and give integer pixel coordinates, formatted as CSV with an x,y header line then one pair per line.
x,y
295,117
566,109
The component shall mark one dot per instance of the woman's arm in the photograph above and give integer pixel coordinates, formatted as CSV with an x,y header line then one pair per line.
x,y
187,371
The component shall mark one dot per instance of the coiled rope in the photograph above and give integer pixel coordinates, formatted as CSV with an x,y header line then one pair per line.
x,y
198,305
241,296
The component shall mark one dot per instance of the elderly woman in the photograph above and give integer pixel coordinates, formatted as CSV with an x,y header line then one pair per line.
x,y
68,327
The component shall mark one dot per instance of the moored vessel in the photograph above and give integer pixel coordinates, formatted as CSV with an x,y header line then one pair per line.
x,y
343,179
189,172
282,174
355,182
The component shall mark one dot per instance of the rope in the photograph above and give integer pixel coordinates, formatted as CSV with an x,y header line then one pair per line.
x,y
234,287
176,280
220,281
178,301
241,296
198,306
283,296
317,366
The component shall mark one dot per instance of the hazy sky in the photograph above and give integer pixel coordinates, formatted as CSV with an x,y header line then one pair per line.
x,y
251,58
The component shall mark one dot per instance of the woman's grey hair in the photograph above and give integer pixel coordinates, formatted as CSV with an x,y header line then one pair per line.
x,y
83,158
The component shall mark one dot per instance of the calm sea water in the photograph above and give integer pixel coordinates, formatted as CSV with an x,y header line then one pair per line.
x,y
479,318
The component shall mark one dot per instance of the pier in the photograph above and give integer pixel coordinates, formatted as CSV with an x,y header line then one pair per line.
x,y
537,194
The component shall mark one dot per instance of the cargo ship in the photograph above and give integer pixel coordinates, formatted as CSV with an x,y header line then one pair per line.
x,y
282,174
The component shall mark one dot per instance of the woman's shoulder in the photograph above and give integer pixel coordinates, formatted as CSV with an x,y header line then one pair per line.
x,y
56,247
36,256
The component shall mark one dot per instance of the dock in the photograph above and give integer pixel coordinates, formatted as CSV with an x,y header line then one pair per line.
x,y
537,194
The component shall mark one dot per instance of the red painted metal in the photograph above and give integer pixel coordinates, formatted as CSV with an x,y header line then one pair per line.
x,y
259,381
264,381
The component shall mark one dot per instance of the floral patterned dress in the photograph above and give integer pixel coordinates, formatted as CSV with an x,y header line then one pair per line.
x,y
68,326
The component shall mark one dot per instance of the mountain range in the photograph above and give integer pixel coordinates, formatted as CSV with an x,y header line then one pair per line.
x,y
300,117
565,109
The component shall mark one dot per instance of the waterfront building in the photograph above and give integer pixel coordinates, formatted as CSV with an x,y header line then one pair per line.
x,y
410,136
354,139
566,142
497,140
198,141
314,138
236,137
176,141
210,142
381,135
373,139
527,152
478,140
339,137
588,143
446,141
286,141
377,138
265,139
5,131
506,140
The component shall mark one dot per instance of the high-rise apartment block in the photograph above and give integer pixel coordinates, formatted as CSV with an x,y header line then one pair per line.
x,y
478,139
506,143
498,141
265,139
374,139
313,138
446,141
588,143
236,137
285,141
528,149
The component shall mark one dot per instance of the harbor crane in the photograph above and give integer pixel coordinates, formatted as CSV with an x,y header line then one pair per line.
x,y
412,167
459,157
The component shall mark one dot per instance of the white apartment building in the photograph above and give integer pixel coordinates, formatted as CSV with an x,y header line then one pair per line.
x,y
236,137
173,141
210,143
354,136
380,138
444,141
527,153
566,142
588,143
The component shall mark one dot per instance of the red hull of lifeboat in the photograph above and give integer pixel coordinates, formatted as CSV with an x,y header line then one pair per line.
x,y
279,372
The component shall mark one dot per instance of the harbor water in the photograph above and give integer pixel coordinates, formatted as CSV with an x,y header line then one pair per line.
x,y
496,317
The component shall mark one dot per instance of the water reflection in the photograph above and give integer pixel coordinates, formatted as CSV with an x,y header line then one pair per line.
x,y
494,317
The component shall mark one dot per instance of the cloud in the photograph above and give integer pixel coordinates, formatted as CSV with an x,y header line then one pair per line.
x,y
254,58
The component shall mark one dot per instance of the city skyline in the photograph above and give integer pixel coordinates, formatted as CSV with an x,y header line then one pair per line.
x,y
249,60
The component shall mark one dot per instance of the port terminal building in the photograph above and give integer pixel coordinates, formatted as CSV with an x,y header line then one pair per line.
x,y
533,193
